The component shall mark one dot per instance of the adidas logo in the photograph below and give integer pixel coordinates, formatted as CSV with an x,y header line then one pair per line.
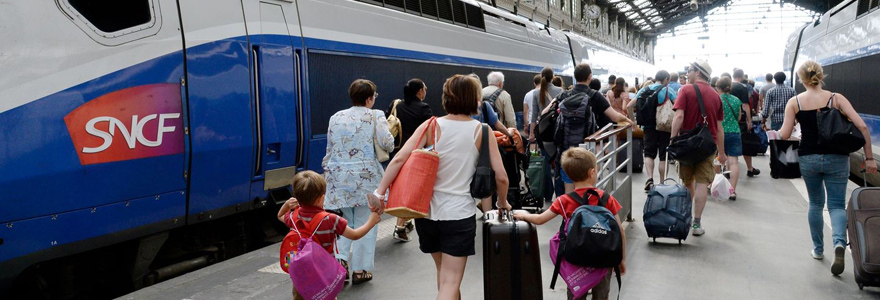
x,y
597,225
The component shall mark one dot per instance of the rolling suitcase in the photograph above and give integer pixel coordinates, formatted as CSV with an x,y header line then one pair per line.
x,y
638,156
667,212
536,173
511,259
863,227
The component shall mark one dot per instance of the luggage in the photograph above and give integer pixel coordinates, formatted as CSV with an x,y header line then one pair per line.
x,y
511,259
519,194
762,135
751,143
638,156
593,236
784,159
536,173
576,119
863,227
667,212
696,145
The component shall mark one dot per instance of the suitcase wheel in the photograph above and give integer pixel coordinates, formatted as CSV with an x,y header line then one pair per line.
x,y
679,242
861,286
655,240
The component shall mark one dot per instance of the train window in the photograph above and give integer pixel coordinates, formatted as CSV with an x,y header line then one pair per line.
x,y
444,9
429,8
475,17
394,4
459,15
413,6
114,15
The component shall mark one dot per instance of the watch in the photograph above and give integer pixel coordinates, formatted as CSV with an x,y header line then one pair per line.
x,y
592,11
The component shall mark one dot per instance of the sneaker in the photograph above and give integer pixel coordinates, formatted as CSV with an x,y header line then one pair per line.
x,y
837,266
753,172
698,230
649,184
817,255
410,225
400,234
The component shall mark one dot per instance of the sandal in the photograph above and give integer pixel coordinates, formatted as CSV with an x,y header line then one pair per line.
x,y
344,265
361,277
732,197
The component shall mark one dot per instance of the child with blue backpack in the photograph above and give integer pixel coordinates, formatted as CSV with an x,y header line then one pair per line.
x,y
580,165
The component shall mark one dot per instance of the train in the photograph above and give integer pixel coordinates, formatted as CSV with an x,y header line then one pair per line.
x,y
137,134
845,40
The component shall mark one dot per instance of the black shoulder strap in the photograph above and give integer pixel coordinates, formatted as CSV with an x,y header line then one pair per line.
x,y
495,96
603,200
700,101
486,112
484,148
577,197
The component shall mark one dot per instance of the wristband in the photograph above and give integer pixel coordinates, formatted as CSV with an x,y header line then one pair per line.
x,y
869,158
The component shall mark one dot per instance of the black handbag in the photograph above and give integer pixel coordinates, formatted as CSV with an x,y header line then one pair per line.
x,y
836,130
696,145
483,183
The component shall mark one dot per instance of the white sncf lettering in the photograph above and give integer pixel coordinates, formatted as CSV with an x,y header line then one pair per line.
x,y
133,136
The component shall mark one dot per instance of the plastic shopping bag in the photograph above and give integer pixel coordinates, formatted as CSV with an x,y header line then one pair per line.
x,y
720,187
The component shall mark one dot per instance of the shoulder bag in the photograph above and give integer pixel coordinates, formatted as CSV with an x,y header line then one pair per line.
x,y
381,154
410,193
394,124
836,130
696,145
483,183
665,114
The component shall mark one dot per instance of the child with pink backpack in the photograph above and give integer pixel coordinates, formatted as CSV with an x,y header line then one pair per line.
x,y
306,252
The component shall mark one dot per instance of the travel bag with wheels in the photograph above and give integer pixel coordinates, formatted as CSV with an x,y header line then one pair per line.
x,y
638,157
863,227
536,173
667,212
511,259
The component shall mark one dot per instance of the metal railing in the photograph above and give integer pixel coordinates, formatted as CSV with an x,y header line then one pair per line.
x,y
606,145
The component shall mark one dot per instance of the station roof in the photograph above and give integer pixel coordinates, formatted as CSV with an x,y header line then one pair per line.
x,y
655,17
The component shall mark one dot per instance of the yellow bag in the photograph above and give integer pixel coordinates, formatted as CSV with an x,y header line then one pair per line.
x,y
394,123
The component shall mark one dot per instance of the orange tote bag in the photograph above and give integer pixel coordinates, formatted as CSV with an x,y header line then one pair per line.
x,y
410,193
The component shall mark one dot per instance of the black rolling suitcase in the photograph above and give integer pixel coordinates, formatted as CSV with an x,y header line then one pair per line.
x,y
511,260
863,227
638,155
783,159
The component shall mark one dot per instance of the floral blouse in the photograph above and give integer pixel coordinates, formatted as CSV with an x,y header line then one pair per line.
x,y
350,165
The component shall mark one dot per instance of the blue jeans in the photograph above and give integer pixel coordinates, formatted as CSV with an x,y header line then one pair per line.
x,y
363,251
833,171
775,125
548,177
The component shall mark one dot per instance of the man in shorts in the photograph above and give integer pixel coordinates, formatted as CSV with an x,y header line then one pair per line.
x,y
687,116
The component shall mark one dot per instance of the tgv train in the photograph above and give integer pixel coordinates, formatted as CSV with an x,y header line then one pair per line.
x,y
126,126
846,42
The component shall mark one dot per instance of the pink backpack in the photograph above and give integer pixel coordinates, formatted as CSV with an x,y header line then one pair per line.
x,y
316,274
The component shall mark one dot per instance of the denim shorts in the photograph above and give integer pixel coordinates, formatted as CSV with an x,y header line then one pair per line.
x,y
564,176
733,145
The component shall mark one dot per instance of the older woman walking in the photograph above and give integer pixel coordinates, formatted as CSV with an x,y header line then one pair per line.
x,y
449,231
824,168
352,171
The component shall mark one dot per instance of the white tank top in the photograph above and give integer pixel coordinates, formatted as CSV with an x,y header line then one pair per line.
x,y
458,160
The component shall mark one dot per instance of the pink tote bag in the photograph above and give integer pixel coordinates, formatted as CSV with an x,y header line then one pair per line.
x,y
316,274
579,279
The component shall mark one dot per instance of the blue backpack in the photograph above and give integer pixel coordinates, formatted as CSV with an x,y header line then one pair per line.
x,y
576,120
593,237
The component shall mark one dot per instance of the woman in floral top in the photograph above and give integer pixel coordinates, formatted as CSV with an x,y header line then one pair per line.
x,y
733,108
352,171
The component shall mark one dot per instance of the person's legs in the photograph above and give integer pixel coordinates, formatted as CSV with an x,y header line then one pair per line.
x,y
363,250
811,171
450,276
662,143
438,260
703,175
733,167
603,289
651,147
836,176
344,244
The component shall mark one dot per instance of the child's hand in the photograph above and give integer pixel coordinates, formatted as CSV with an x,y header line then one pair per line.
x,y
375,218
292,203
521,215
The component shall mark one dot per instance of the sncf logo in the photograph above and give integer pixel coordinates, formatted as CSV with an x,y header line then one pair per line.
x,y
138,122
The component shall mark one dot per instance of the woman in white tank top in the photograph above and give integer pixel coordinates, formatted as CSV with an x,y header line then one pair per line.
x,y
449,232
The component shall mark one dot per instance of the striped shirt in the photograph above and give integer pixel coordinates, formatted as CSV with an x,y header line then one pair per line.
x,y
327,231
775,100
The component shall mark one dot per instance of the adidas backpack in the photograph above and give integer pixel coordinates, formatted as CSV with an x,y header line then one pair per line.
x,y
576,120
593,237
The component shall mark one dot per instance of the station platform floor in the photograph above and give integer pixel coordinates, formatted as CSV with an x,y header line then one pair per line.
x,y
757,247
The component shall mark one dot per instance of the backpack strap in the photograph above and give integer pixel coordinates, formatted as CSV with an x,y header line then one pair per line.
x,y
312,225
486,112
394,107
494,96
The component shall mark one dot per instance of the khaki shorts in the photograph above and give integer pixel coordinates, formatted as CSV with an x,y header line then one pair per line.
x,y
702,172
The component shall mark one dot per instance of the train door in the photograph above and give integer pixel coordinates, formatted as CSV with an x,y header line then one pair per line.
x,y
219,103
274,48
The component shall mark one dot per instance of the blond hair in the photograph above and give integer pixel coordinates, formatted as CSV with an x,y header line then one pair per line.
x,y
308,186
577,163
811,74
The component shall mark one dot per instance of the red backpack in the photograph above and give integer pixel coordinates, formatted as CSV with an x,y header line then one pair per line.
x,y
290,243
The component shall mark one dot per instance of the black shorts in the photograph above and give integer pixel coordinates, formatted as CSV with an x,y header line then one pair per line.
x,y
655,141
455,238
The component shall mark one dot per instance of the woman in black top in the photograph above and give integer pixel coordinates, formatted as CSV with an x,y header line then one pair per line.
x,y
824,167
412,112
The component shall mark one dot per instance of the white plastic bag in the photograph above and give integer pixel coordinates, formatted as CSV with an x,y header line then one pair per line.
x,y
720,187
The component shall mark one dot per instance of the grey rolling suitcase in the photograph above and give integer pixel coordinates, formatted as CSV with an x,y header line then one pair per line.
x,y
667,212
863,227
511,260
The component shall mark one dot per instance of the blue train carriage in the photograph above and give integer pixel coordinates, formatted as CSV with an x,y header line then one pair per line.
x,y
846,42
127,127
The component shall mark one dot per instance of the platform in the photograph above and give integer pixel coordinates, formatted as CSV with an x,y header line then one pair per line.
x,y
757,247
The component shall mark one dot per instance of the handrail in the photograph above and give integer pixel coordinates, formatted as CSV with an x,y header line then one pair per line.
x,y
607,134
607,145
598,132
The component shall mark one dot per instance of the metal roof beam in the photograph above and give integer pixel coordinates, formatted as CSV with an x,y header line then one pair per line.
x,y
641,14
